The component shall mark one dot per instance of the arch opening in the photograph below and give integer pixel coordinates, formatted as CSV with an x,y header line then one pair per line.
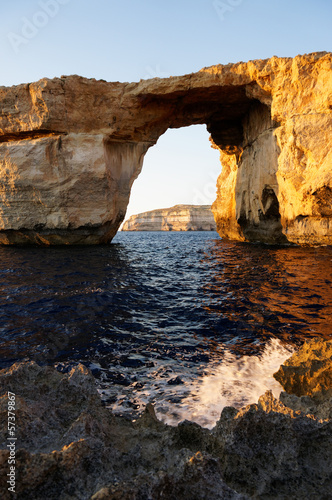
x,y
180,170
242,130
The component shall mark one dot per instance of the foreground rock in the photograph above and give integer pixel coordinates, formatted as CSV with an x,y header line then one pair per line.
x,y
307,379
177,218
71,148
309,371
70,446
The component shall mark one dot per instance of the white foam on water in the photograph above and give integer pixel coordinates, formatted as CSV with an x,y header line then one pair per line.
x,y
233,382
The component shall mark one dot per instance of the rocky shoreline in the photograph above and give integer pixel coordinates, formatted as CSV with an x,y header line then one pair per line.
x,y
69,446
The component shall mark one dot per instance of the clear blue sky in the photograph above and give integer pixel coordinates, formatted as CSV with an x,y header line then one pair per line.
x,y
128,40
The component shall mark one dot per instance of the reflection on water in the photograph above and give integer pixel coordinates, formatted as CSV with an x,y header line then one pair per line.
x,y
153,313
284,292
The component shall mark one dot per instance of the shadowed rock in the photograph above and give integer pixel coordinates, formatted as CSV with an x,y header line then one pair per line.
x,y
70,446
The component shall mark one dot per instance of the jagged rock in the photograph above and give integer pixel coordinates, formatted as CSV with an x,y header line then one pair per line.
x,y
267,451
51,407
198,478
70,446
307,379
177,218
321,410
72,147
309,371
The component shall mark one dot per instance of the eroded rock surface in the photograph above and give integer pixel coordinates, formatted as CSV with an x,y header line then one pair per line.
x,y
177,218
307,379
309,371
72,147
70,446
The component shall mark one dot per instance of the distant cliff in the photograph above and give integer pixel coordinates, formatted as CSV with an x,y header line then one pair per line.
x,y
177,218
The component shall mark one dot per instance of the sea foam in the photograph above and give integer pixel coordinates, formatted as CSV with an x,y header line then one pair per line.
x,y
233,382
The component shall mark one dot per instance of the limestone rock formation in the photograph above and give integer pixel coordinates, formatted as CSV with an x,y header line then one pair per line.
x,y
307,379
71,147
308,371
177,218
70,446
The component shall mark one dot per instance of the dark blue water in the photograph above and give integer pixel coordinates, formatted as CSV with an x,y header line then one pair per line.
x,y
159,305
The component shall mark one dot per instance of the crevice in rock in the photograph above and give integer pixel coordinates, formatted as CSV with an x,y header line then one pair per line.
x,y
300,218
250,144
258,214
267,228
29,135
270,204
323,201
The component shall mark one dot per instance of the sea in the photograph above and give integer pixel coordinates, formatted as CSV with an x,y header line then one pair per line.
x,y
184,320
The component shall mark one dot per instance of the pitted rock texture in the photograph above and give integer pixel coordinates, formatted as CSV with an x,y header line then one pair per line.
x,y
177,218
309,371
70,446
71,148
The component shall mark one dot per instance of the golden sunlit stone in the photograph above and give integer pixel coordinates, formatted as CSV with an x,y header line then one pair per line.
x,y
76,145
309,371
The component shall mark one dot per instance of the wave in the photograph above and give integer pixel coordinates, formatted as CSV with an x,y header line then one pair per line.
x,y
234,382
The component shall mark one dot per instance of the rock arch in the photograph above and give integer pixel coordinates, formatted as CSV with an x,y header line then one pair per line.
x,y
72,147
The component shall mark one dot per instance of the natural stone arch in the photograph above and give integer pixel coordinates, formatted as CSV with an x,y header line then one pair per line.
x,y
235,122
72,147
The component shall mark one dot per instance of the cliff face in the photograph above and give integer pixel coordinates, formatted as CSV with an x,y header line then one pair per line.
x,y
177,218
70,149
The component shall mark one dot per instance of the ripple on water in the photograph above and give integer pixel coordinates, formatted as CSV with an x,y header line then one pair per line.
x,y
152,308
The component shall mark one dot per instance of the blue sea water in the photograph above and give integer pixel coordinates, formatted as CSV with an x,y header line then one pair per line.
x,y
154,314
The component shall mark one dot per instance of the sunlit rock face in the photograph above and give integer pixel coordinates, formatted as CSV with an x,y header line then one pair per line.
x,y
177,218
309,371
71,148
